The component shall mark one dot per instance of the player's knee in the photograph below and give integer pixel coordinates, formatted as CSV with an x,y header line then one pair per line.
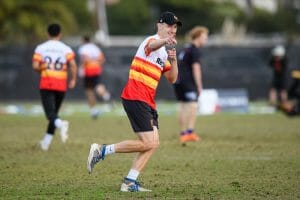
x,y
151,145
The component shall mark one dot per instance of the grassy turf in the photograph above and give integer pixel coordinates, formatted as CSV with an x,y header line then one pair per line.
x,y
240,157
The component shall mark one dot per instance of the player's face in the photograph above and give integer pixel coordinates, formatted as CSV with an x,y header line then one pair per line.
x,y
167,30
202,39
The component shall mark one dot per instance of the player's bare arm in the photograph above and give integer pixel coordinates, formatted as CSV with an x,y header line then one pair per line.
x,y
171,75
197,74
37,66
73,71
156,44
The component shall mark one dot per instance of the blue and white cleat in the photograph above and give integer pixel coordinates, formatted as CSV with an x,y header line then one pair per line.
x,y
97,153
132,186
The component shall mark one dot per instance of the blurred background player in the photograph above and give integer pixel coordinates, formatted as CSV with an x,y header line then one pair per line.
x,y
278,64
292,106
150,62
92,59
51,60
188,86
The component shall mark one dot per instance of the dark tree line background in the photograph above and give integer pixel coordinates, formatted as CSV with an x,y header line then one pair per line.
x,y
24,21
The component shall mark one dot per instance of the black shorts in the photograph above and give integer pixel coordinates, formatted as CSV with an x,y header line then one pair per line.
x,y
279,82
185,94
141,116
90,82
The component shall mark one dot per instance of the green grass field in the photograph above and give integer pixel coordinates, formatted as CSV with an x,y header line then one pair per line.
x,y
240,157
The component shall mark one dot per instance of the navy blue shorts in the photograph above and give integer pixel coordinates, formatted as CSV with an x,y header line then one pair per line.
x,y
142,117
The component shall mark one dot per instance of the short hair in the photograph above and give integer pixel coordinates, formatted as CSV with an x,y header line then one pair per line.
x,y
197,31
54,30
86,38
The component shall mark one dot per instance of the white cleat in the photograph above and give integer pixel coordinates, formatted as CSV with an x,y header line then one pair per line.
x,y
132,186
64,131
97,153
44,146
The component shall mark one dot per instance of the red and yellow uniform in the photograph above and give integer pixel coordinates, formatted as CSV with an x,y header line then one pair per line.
x,y
53,56
145,72
91,56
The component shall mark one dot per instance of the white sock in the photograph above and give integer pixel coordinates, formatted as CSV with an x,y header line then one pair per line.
x,y
133,174
109,149
106,97
58,123
48,138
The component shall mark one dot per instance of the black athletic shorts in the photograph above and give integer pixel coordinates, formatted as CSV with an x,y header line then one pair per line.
x,y
91,82
141,116
185,94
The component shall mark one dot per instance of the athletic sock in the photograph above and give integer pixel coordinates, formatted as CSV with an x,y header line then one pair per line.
x,y
189,131
133,175
58,123
183,132
109,149
48,138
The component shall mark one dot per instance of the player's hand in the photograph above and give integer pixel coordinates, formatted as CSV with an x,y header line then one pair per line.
x,y
171,41
199,91
72,83
172,54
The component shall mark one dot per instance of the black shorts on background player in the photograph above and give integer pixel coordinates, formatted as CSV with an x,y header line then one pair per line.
x,y
141,116
92,81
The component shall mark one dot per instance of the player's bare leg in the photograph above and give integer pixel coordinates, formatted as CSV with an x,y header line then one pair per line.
x,y
191,121
183,117
92,101
273,97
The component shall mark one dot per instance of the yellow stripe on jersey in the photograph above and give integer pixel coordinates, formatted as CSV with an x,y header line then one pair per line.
x,y
150,82
148,68
54,74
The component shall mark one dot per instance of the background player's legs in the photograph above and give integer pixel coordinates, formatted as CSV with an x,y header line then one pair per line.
x,y
92,101
51,102
192,116
187,120
273,97
103,92
182,116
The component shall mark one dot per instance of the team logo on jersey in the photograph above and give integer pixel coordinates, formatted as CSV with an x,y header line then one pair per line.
x,y
160,62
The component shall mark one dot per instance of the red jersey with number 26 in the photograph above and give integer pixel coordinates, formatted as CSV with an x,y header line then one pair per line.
x,y
53,55
145,72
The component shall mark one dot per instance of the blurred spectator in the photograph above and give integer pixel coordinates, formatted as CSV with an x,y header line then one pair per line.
x,y
278,64
292,107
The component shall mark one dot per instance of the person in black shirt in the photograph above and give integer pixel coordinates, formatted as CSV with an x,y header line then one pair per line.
x,y
188,86
278,63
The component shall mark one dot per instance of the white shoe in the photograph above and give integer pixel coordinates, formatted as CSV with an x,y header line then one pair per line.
x,y
97,153
130,186
44,146
64,131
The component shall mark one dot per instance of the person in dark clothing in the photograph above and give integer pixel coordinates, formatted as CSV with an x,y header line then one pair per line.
x,y
278,63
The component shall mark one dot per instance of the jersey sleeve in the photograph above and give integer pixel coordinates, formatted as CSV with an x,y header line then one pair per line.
x,y
70,55
37,56
147,49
